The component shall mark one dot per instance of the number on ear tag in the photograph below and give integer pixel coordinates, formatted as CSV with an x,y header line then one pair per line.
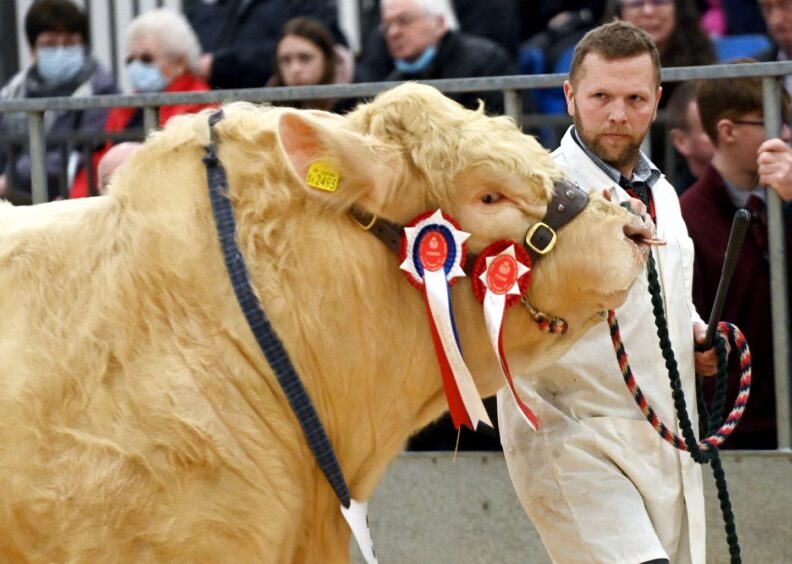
x,y
322,176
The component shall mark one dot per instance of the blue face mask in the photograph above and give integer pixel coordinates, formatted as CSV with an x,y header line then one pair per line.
x,y
146,77
418,65
59,64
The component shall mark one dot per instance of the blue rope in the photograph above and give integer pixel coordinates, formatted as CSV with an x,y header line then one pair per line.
x,y
268,340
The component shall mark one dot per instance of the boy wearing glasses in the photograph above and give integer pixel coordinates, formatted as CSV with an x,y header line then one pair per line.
x,y
742,166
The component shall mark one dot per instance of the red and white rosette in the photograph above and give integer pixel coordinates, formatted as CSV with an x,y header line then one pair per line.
x,y
501,275
433,252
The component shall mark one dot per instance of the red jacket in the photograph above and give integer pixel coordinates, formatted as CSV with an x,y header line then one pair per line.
x,y
118,120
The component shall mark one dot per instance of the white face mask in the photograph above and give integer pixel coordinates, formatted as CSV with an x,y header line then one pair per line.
x,y
146,77
59,64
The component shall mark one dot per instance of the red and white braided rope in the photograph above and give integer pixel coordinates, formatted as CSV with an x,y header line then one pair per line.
x,y
717,438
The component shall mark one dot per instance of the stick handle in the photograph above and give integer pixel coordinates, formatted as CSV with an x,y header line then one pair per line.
x,y
742,219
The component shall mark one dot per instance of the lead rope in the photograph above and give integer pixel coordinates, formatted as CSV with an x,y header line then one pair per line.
x,y
705,450
275,353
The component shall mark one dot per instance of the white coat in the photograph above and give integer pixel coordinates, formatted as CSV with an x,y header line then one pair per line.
x,y
597,481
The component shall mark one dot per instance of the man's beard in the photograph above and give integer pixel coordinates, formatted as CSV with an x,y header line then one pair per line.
x,y
627,156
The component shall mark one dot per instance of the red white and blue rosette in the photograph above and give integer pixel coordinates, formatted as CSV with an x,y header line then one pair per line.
x,y
501,275
433,252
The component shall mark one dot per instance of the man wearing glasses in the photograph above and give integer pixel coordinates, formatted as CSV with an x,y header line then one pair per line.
x,y
421,37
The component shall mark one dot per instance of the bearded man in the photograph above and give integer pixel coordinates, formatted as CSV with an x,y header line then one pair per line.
x,y
598,482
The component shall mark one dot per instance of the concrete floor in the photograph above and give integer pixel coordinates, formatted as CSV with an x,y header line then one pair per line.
x,y
418,516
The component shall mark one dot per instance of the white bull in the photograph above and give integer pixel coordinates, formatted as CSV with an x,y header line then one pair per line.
x,y
139,420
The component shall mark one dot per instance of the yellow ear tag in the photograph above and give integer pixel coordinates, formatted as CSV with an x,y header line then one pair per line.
x,y
323,177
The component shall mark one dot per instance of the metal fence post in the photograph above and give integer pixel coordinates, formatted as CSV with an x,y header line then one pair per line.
x,y
512,106
38,173
150,118
778,282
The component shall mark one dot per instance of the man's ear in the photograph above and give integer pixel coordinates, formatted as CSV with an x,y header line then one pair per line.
x,y
327,158
680,141
725,130
569,94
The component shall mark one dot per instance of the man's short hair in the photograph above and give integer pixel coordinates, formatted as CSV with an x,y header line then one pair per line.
x,y
615,40
678,103
55,15
732,98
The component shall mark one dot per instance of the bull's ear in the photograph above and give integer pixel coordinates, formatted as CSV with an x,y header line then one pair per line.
x,y
328,158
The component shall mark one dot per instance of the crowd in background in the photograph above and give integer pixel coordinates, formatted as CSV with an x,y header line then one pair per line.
x,y
229,44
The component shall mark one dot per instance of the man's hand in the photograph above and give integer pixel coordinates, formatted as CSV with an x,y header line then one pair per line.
x,y
3,185
774,161
706,361
637,207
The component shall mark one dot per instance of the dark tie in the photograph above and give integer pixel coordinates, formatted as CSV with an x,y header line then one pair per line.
x,y
758,221
638,190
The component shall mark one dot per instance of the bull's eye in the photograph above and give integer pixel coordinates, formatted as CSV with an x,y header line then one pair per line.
x,y
491,197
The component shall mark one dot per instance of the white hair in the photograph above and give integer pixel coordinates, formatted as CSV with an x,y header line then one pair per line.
x,y
171,31
436,8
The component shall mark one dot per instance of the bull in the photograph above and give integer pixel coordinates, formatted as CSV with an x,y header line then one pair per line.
x,y
140,421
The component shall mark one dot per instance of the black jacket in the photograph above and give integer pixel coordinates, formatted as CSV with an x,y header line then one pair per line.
x,y
496,20
242,34
460,55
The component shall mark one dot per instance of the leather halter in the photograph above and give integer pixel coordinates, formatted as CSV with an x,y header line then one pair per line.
x,y
567,202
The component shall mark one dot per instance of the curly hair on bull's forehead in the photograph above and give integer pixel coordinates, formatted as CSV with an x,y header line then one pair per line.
x,y
428,128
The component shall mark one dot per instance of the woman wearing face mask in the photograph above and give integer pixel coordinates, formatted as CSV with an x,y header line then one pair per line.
x,y
57,32
162,56
306,55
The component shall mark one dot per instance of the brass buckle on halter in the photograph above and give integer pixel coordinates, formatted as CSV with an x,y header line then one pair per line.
x,y
532,231
360,224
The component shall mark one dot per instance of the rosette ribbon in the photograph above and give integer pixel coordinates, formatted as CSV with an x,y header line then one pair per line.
x,y
433,252
501,275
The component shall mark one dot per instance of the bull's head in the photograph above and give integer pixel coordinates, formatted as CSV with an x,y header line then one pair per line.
x,y
413,150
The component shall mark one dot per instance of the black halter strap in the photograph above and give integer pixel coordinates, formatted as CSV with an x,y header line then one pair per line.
x,y
268,340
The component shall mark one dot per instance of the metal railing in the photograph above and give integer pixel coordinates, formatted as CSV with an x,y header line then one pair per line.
x,y
511,86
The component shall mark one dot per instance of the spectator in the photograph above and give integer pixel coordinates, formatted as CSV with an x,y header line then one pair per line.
x,y
731,113
496,20
57,32
687,136
307,55
162,56
424,44
238,37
